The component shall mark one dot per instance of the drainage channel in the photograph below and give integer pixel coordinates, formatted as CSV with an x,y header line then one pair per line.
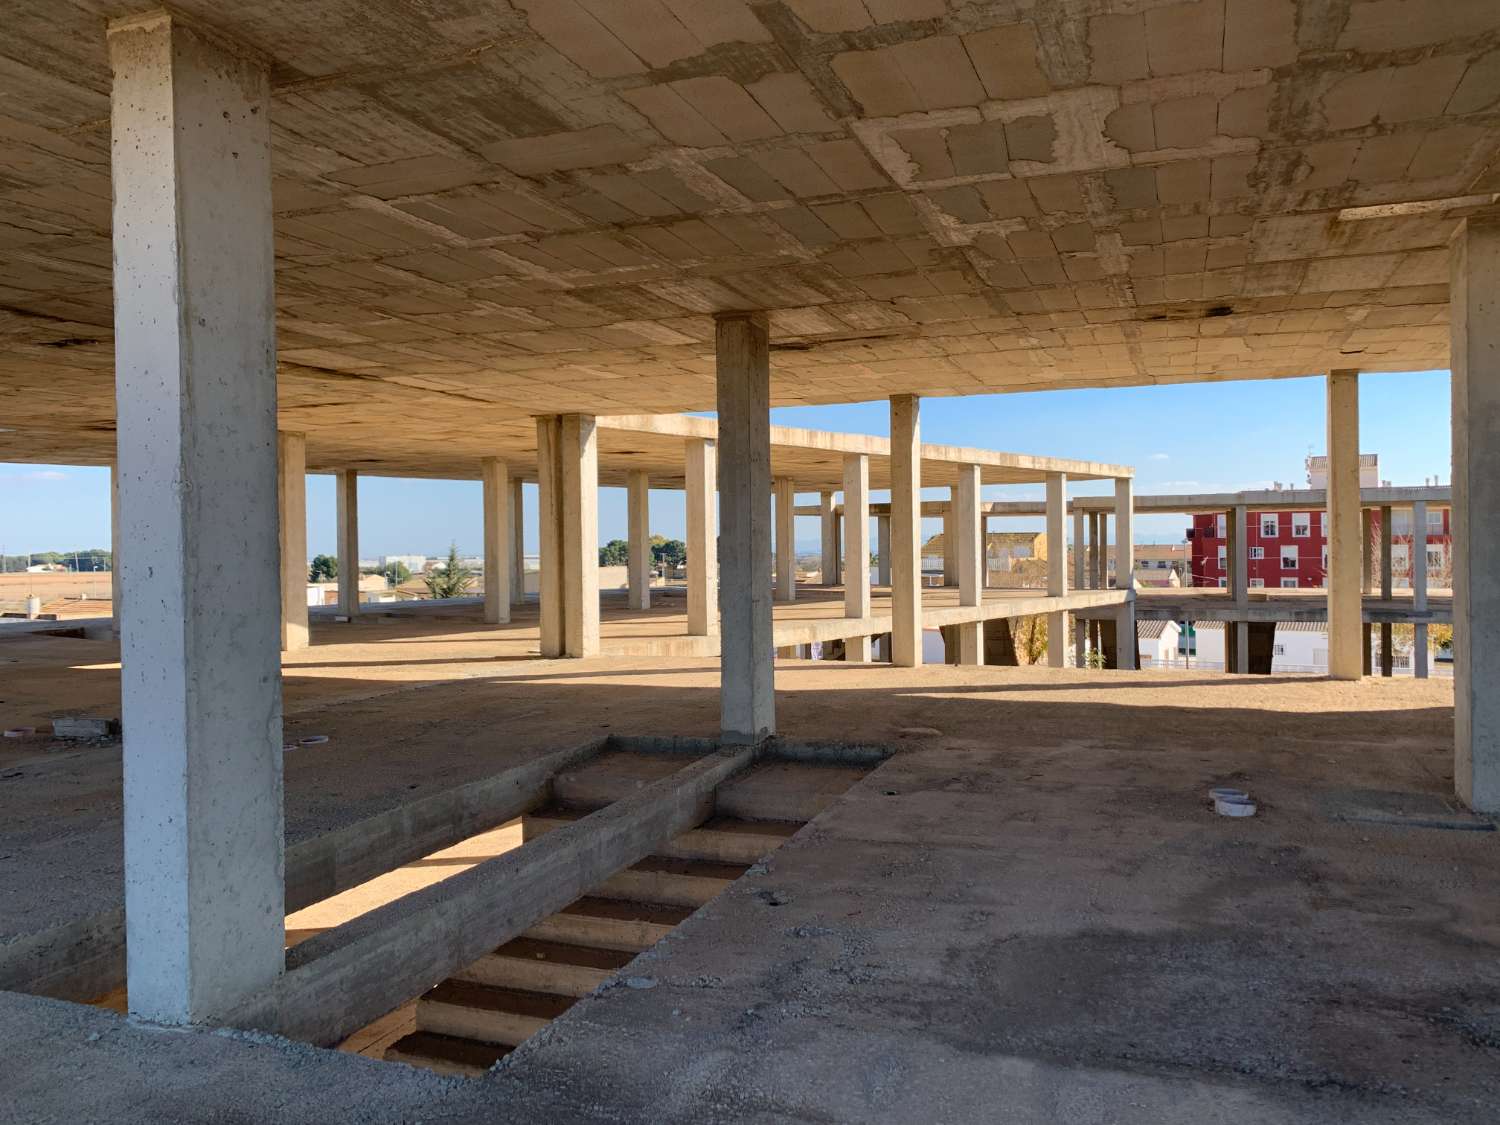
x,y
479,1015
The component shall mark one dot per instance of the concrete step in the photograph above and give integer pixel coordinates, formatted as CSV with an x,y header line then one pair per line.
x,y
611,776
719,839
787,791
610,924
482,1012
446,1054
671,882
536,965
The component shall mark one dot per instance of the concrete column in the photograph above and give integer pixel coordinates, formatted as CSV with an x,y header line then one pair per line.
x,y
965,522
906,531
857,550
746,686
517,542
497,555
1057,566
1474,317
786,539
549,526
580,535
116,587
1417,554
346,514
1367,585
1125,571
702,539
195,374
1344,552
951,548
883,551
1387,655
291,486
1239,586
1080,555
638,536
828,521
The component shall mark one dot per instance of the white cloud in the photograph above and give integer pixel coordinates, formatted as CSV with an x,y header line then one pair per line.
x,y
40,475
1160,457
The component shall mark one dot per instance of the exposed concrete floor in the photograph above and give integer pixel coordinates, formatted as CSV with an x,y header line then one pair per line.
x,y
1029,915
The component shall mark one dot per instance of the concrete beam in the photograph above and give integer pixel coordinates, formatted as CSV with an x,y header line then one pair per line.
x,y
497,553
857,550
1344,537
195,371
1474,319
743,376
702,539
291,488
579,455
346,514
638,537
906,531
786,539
346,978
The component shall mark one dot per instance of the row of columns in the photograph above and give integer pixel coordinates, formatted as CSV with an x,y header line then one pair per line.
x,y
199,500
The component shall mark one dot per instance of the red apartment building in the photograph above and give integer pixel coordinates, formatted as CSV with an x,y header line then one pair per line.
x,y
1290,549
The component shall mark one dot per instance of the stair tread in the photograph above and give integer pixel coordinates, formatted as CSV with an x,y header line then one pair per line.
x,y
564,953
449,1049
626,910
773,829
493,998
697,868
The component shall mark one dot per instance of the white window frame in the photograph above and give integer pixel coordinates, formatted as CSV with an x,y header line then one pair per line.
x,y
1304,529
1434,521
1257,552
1221,526
1288,583
1257,583
1223,556
1223,583
1293,557
1269,520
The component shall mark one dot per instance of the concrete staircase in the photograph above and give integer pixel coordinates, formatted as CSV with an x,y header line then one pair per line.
x,y
468,1022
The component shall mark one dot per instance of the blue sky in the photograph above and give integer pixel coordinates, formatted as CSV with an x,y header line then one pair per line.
x,y
1199,437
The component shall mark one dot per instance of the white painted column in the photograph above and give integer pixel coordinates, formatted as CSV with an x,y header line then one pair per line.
x,y
580,535
906,531
517,542
827,521
497,554
1239,584
550,536
969,559
291,487
746,685
1125,572
638,536
857,551
116,587
346,513
786,539
1057,566
702,539
1345,628
1474,317
1417,555
883,550
195,371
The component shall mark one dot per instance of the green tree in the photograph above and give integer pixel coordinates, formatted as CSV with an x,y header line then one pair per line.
x,y
669,552
396,572
614,553
325,568
452,580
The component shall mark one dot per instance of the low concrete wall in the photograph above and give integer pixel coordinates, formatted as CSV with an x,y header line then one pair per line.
x,y
85,958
